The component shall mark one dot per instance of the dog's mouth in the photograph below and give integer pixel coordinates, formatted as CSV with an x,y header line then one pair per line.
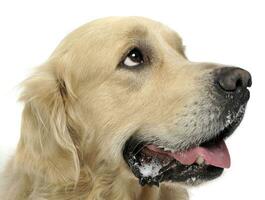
x,y
152,163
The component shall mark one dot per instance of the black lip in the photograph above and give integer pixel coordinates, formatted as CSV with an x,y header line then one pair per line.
x,y
191,173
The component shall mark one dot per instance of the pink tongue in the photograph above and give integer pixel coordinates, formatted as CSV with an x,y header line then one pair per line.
x,y
216,155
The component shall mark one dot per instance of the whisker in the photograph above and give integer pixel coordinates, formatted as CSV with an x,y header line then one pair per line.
x,y
168,167
139,150
135,147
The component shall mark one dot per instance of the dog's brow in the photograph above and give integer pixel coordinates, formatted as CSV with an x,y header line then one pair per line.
x,y
137,32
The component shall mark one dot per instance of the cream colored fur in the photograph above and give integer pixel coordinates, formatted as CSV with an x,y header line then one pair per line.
x,y
80,109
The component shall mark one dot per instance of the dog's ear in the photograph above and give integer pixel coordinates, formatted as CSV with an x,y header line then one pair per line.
x,y
48,145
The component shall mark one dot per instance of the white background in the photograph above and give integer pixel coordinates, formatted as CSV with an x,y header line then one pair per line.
x,y
226,31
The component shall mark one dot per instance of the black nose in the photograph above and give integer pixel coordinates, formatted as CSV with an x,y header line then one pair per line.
x,y
231,79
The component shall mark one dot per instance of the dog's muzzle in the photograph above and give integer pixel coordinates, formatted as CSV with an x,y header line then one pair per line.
x,y
152,162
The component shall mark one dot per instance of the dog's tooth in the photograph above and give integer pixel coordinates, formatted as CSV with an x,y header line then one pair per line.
x,y
166,149
200,160
169,150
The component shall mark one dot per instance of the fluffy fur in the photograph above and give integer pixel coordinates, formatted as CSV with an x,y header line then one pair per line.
x,y
80,109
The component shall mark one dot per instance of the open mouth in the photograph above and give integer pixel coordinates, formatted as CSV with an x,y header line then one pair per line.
x,y
153,164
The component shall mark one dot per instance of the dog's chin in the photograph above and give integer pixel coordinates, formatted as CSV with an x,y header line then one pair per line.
x,y
153,163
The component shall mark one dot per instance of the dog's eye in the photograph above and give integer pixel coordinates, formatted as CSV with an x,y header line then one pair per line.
x,y
134,58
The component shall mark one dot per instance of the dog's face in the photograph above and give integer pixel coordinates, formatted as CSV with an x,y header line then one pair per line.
x,y
154,113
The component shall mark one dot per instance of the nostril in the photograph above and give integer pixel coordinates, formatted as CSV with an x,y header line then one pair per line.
x,y
227,85
239,83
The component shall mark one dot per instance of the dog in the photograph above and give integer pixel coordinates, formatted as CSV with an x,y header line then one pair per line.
x,y
118,112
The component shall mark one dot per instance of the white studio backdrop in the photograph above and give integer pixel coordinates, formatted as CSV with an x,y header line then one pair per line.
x,y
227,31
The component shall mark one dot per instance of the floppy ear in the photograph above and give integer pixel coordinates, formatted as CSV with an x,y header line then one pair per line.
x,y
48,146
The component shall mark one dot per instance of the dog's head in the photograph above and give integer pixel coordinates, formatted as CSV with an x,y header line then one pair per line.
x,y
120,91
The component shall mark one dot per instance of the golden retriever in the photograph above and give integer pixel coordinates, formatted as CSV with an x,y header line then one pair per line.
x,y
118,112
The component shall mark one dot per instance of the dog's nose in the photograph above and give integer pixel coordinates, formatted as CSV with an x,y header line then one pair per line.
x,y
232,79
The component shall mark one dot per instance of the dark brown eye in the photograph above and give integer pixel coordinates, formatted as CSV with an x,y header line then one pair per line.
x,y
134,58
